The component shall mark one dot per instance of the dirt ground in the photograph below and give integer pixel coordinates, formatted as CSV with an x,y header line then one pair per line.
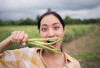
x,y
86,46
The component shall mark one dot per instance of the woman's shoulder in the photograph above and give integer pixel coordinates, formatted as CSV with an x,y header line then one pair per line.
x,y
18,54
73,60
26,50
21,51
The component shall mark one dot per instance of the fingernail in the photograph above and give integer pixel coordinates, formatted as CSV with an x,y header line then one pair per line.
x,y
23,43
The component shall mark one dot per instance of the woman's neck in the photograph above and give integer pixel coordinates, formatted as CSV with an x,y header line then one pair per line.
x,y
50,54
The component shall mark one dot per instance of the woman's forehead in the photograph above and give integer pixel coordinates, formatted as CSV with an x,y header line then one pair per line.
x,y
49,24
50,19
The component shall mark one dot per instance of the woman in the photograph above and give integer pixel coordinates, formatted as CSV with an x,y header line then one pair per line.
x,y
50,25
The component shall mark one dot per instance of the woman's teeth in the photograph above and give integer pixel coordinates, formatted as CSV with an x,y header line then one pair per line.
x,y
52,44
50,41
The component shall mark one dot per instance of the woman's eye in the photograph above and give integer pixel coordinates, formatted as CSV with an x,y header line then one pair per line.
x,y
44,29
56,27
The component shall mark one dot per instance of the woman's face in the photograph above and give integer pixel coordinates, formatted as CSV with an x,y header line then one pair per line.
x,y
51,27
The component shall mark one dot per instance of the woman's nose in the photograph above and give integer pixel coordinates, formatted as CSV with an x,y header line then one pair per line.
x,y
51,33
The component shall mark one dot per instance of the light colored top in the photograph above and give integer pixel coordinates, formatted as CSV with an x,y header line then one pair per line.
x,y
30,58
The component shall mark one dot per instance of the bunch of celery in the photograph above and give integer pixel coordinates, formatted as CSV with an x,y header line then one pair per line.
x,y
42,43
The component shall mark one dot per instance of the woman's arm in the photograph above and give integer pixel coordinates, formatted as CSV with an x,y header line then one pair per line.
x,y
5,44
17,37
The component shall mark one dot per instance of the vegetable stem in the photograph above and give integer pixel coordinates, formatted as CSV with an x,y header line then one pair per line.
x,y
42,43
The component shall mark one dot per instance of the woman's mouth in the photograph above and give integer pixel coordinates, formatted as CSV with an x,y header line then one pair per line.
x,y
55,44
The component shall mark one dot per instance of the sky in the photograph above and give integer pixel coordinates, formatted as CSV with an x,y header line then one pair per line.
x,y
22,9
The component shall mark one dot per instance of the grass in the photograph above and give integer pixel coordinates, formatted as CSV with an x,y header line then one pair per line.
x,y
89,56
86,49
71,32
5,31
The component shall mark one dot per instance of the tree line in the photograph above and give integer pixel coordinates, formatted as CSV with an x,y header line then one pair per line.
x,y
27,21
67,20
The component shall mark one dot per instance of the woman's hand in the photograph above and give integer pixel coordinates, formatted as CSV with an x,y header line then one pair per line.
x,y
16,37
19,37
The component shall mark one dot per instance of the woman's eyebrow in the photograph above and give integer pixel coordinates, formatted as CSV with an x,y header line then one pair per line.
x,y
55,23
44,25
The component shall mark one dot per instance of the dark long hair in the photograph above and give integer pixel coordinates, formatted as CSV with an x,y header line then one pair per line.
x,y
53,13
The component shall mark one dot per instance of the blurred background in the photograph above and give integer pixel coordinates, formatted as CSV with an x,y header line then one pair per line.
x,y
82,19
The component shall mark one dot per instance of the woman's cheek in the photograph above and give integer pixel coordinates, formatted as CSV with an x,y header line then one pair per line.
x,y
60,33
42,35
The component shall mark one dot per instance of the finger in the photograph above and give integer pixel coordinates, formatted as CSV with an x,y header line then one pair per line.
x,y
14,36
25,39
17,37
13,32
20,37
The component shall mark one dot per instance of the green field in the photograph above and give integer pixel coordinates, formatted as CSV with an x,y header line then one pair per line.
x,y
80,41
72,31
86,49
